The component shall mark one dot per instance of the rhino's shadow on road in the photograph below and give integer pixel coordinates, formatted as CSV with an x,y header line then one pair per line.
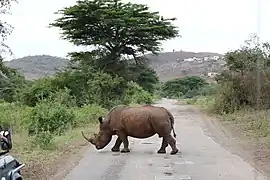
x,y
140,154
130,153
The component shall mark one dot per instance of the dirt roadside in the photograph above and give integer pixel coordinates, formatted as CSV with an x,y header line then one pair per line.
x,y
230,137
56,163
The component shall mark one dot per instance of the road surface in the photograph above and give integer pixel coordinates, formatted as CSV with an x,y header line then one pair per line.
x,y
201,158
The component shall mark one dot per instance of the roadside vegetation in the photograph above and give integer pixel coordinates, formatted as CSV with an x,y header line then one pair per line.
x,y
241,94
240,97
47,115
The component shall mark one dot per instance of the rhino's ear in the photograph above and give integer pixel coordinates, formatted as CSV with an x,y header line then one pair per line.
x,y
100,119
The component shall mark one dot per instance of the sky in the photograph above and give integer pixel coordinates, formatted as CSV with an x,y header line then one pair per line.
x,y
204,25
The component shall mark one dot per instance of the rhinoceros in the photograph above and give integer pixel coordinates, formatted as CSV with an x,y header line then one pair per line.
x,y
137,122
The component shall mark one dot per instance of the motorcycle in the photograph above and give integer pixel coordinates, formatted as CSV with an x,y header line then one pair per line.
x,y
9,166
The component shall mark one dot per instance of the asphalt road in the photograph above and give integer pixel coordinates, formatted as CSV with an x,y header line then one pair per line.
x,y
201,157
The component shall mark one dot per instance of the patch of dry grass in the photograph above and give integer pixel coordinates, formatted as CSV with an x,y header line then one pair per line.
x,y
251,123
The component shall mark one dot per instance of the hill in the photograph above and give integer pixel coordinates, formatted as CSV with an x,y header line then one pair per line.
x,y
34,67
168,65
171,65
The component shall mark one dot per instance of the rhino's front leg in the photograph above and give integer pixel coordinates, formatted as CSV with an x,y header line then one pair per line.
x,y
124,139
116,147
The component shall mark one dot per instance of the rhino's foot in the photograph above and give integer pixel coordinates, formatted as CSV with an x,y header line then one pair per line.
x,y
115,149
174,151
125,150
161,151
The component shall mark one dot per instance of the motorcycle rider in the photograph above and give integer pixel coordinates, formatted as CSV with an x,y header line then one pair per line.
x,y
6,144
5,140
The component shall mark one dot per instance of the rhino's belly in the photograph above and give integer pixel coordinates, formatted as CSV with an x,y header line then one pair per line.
x,y
139,130
141,135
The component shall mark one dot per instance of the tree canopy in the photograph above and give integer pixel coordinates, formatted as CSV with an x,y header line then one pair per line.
x,y
251,56
119,34
115,27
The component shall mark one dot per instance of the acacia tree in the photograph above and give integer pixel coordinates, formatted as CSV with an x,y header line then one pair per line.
x,y
115,29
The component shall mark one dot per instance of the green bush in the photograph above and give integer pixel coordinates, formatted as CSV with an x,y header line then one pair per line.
x,y
145,98
37,91
44,140
63,96
13,115
144,76
209,89
238,84
157,91
227,101
89,86
192,93
136,94
88,114
188,86
192,100
206,102
10,83
52,117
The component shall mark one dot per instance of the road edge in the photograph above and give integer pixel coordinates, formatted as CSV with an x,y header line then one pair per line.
x,y
70,163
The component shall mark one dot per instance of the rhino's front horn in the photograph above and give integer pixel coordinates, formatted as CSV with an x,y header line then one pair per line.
x,y
88,139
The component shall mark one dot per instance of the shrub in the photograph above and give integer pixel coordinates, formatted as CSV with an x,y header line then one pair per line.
x,y
144,76
206,102
238,84
37,91
88,114
192,93
241,91
13,116
44,140
227,101
90,86
178,87
63,96
10,82
145,98
136,94
209,89
52,117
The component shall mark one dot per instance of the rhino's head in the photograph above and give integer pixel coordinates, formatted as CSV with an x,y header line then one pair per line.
x,y
103,137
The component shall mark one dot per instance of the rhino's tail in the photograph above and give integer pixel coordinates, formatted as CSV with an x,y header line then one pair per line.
x,y
172,122
174,135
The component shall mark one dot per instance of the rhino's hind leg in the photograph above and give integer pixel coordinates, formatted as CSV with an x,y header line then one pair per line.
x,y
172,143
116,147
164,144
